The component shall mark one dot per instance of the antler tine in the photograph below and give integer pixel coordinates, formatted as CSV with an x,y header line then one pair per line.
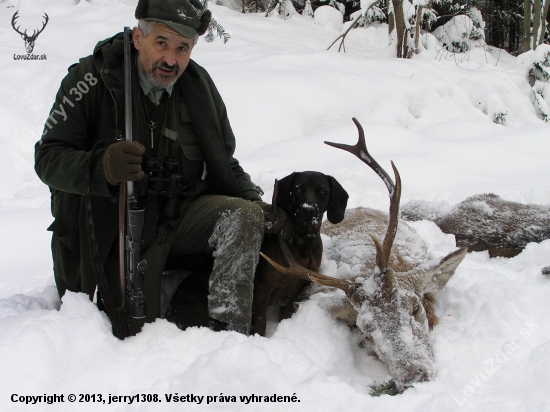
x,y
275,197
360,150
298,271
294,268
15,16
37,32
44,25
392,223
383,251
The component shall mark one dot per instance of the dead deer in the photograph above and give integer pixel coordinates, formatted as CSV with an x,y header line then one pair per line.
x,y
504,228
393,310
486,222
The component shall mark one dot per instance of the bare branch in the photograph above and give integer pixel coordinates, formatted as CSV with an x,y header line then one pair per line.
x,y
343,35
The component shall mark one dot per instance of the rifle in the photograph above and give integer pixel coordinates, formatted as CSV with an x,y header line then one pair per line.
x,y
131,217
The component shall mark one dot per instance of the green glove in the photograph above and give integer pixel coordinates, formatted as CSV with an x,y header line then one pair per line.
x,y
122,162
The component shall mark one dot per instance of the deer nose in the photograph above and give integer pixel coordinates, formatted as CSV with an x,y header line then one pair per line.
x,y
420,374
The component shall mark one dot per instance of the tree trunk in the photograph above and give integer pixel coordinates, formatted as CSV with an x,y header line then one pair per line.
x,y
537,6
526,26
400,28
543,19
512,36
419,13
498,30
391,17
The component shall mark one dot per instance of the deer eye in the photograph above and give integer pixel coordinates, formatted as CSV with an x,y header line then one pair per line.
x,y
415,307
368,337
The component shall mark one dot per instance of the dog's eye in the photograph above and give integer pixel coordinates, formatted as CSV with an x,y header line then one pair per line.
x,y
298,188
322,192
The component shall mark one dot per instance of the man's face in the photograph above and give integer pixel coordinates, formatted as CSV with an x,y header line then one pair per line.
x,y
163,55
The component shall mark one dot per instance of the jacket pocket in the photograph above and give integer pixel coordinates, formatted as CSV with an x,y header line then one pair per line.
x,y
192,152
66,253
65,204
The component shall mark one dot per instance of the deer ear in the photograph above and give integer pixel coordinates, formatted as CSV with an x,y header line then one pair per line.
x,y
437,277
338,201
283,196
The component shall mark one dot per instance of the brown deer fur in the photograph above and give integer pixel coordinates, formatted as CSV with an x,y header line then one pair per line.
x,y
394,310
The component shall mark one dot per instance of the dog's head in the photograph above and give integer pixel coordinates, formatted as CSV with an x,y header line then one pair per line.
x,y
306,196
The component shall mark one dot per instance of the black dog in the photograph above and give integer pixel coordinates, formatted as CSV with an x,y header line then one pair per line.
x,y
304,196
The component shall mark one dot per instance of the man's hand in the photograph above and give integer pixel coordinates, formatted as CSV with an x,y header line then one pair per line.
x,y
122,162
276,222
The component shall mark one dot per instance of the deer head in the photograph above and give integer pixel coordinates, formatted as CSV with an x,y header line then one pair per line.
x,y
29,40
393,310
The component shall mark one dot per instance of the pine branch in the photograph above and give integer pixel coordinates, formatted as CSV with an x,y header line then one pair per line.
x,y
220,31
209,37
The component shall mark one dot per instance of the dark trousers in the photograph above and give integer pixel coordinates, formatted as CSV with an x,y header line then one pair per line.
x,y
232,230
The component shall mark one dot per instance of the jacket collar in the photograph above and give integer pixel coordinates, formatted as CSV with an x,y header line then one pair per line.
x,y
153,92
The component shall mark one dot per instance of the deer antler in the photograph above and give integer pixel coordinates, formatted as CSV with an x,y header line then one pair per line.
x,y
15,16
360,150
298,271
382,251
36,33
295,269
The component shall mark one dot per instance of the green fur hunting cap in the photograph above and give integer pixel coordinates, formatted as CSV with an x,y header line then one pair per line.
x,y
187,17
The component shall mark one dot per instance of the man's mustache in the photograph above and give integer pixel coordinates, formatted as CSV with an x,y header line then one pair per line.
x,y
163,65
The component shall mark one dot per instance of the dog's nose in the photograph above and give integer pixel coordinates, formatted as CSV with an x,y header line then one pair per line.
x,y
307,209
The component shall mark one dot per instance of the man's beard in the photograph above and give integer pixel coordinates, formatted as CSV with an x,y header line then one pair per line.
x,y
158,83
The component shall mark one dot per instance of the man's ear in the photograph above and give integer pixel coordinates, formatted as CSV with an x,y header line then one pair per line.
x,y
137,35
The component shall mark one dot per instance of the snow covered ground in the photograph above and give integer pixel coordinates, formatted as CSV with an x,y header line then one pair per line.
x,y
433,116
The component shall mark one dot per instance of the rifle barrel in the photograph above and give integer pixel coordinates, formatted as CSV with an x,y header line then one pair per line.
x,y
128,39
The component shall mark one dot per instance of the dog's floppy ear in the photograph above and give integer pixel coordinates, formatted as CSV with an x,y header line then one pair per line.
x,y
338,202
283,196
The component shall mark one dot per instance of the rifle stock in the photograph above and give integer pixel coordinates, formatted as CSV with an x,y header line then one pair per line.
x,y
122,245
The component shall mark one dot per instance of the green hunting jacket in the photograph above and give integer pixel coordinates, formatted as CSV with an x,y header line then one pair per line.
x,y
89,108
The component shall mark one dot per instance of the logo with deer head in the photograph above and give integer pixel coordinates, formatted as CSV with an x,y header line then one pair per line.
x,y
29,39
